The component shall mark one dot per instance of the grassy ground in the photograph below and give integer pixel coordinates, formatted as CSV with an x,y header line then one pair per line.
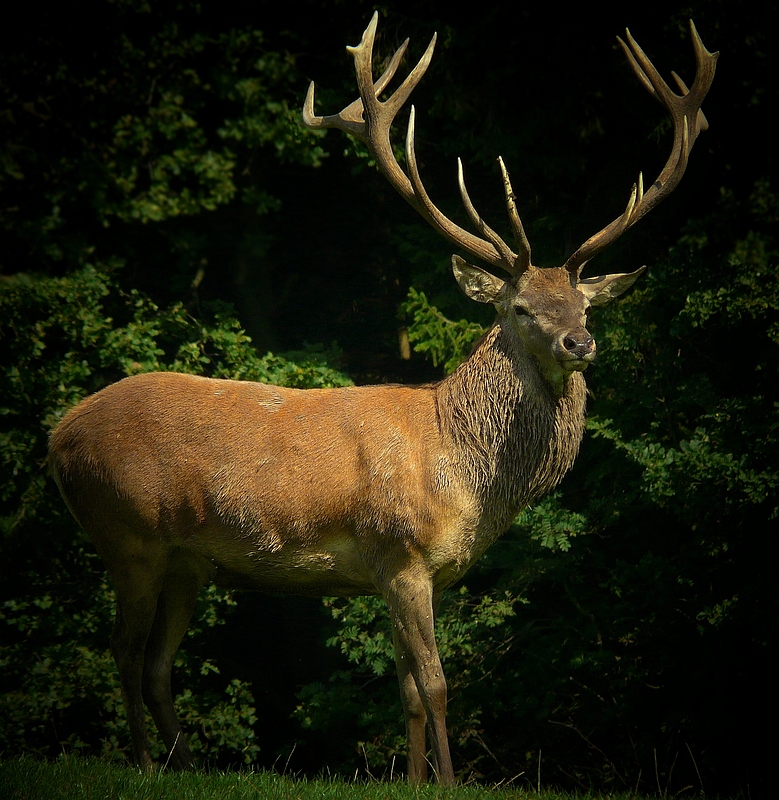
x,y
74,778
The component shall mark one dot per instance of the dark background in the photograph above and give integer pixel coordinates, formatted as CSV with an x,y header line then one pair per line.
x,y
328,253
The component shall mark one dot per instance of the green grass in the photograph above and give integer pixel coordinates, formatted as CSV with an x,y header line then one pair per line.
x,y
74,778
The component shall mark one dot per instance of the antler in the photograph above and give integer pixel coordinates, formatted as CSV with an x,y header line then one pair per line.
x,y
370,120
682,108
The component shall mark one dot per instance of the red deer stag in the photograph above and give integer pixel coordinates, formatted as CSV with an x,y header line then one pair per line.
x,y
386,490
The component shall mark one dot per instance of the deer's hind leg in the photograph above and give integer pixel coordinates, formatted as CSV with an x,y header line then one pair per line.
x,y
138,575
185,575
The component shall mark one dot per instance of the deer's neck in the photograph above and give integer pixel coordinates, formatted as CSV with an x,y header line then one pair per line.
x,y
514,436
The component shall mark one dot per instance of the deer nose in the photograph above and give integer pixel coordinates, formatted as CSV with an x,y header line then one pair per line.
x,y
579,343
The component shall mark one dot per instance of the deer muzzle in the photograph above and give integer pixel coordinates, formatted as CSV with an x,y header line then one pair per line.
x,y
577,349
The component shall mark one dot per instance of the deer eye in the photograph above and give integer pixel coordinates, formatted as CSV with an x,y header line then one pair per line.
x,y
521,311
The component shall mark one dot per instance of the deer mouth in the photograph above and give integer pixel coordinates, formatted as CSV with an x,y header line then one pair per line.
x,y
577,364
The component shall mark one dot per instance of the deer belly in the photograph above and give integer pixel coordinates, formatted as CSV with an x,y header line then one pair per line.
x,y
328,564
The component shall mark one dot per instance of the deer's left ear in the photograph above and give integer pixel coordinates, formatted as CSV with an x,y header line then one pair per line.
x,y
605,288
477,283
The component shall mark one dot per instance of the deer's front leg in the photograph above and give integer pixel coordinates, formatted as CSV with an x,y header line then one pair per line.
x,y
411,607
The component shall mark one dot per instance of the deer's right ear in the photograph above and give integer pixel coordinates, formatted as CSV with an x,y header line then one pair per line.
x,y
477,283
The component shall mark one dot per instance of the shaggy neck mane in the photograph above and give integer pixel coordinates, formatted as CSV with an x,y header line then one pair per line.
x,y
515,438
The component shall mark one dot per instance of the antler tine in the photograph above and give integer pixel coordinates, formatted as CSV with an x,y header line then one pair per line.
x,y
370,120
682,108
508,256
653,82
520,237
363,58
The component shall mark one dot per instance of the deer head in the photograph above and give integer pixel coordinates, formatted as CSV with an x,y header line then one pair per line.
x,y
544,309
